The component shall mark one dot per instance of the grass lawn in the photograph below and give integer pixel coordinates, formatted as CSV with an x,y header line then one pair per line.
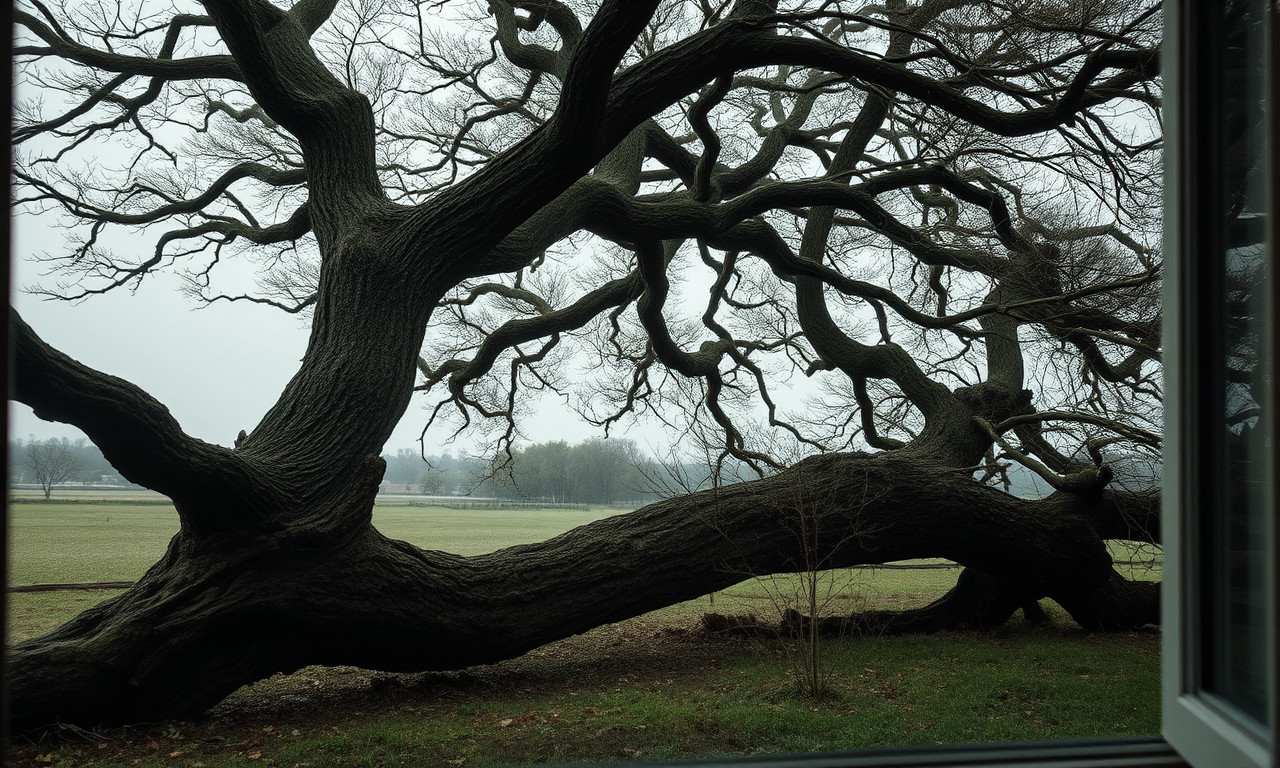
x,y
82,537
653,687
476,531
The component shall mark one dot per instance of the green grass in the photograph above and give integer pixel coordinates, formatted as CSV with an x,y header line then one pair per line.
x,y
1014,684
34,613
60,542
476,531
602,699
84,540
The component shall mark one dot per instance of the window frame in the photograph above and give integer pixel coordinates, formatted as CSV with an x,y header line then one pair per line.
x,y
1205,729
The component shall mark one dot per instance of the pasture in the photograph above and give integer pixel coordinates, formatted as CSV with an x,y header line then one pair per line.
x,y
654,687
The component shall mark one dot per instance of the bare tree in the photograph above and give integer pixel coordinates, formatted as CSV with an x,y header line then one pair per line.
x,y
50,462
938,217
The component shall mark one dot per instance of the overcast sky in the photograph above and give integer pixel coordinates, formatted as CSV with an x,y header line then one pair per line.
x,y
217,368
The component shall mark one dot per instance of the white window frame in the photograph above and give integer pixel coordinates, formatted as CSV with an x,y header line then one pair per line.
x,y
1206,730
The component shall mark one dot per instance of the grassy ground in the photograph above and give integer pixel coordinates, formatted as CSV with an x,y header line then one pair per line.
x,y
653,687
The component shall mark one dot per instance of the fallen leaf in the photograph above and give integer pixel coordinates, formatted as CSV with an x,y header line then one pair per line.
x,y
254,755
45,758
177,753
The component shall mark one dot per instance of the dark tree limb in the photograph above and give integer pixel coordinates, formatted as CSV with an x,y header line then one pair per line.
x,y
206,620
61,45
333,124
215,490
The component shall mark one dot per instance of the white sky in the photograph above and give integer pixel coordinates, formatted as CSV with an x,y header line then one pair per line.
x,y
218,368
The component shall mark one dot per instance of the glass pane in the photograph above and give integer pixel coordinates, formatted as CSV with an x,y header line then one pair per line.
x,y
1235,635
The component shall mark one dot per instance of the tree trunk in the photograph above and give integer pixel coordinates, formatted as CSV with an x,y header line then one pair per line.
x,y
220,612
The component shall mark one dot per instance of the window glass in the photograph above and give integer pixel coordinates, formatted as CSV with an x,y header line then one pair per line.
x,y
1236,491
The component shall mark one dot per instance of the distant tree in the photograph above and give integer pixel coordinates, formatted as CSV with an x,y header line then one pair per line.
x,y
600,468
432,482
543,471
594,471
52,461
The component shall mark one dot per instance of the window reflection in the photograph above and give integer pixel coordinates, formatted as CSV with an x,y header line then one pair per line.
x,y
1239,492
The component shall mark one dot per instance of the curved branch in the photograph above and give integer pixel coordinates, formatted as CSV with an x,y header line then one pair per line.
x,y
533,58
461,372
310,14
194,68
99,95
583,129
653,272
141,438
701,189
1088,480
1128,431
334,124
247,170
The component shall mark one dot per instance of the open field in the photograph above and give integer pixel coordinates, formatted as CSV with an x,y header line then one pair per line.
x,y
654,687
91,540
87,538
87,495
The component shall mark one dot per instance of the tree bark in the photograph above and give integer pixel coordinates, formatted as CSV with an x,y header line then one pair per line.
x,y
207,619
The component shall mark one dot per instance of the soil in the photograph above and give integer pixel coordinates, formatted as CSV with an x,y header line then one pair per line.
x,y
631,651
318,699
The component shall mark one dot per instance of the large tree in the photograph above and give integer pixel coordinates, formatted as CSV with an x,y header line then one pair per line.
x,y
50,462
940,211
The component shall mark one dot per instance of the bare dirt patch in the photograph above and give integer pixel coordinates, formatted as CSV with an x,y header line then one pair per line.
x,y
314,700
633,651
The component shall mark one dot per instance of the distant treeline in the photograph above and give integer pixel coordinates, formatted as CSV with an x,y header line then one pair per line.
x,y
596,471
89,466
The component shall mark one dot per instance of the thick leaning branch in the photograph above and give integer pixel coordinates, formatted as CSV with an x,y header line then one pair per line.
x,y
388,605
215,490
